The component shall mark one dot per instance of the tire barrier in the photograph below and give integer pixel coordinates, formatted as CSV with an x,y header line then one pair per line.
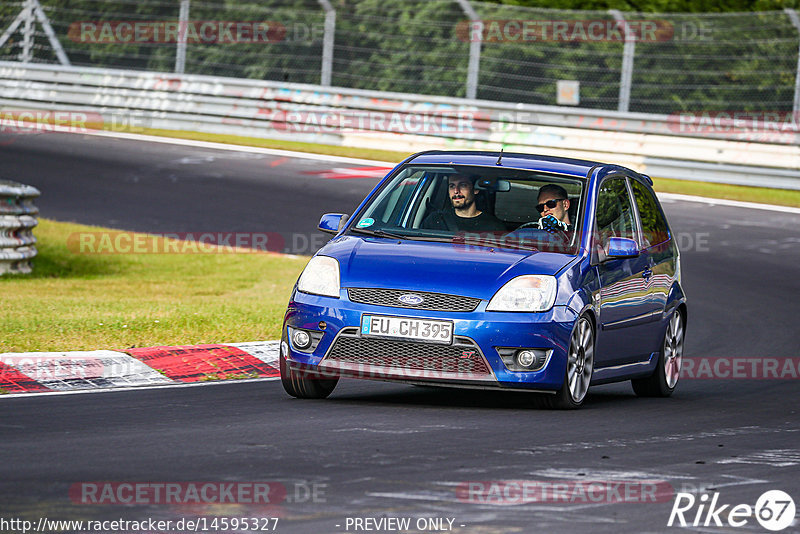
x,y
17,220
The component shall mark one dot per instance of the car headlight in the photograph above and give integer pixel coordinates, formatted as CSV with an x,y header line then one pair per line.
x,y
529,293
320,277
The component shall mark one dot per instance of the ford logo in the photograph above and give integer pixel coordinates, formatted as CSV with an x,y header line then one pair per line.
x,y
411,299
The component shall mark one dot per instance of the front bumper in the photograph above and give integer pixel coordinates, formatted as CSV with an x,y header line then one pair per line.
x,y
472,360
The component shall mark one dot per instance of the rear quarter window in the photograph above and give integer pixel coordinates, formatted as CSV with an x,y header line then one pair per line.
x,y
654,224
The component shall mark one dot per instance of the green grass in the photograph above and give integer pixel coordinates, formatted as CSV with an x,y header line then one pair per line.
x,y
764,195
78,301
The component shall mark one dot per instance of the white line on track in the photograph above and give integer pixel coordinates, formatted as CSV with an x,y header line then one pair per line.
x,y
730,203
359,161
237,148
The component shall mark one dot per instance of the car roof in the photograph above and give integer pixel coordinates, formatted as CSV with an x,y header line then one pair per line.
x,y
515,160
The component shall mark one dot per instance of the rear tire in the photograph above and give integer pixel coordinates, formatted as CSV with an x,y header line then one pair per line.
x,y
580,366
305,387
668,370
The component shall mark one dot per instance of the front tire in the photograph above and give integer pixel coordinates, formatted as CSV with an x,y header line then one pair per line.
x,y
580,366
305,387
668,370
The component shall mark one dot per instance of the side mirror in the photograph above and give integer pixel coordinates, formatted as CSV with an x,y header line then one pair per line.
x,y
621,247
333,223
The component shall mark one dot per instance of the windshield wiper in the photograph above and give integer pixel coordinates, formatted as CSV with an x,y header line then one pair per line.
x,y
458,239
379,233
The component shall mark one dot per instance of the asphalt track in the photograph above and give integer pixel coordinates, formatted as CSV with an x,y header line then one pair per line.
x,y
377,450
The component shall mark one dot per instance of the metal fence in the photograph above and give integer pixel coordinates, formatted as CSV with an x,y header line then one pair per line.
x,y
637,62
37,98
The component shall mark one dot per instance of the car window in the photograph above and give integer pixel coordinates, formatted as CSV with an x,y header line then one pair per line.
x,y
392,206
416,203
614,211
518,204
654,224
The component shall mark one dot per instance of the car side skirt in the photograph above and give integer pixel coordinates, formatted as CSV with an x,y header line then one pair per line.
x,y
618,373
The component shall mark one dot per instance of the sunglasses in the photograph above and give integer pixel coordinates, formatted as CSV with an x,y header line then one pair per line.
x,y
550,204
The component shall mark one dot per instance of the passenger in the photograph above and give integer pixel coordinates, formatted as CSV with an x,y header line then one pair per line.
x,y
465,215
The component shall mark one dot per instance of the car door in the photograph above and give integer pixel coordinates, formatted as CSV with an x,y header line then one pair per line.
x,y
625,306
658,247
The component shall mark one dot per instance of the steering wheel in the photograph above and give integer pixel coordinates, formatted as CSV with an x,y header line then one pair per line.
x,y
551,225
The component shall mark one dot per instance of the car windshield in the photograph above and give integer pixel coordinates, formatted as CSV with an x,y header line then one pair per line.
x,y
485,206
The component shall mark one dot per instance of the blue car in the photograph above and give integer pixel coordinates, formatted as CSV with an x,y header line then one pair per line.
x,y
492,270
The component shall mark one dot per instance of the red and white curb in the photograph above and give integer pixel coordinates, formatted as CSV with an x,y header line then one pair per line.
x,y
26,372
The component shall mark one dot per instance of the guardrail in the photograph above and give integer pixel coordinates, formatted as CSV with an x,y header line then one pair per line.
x,y
17,220
655,144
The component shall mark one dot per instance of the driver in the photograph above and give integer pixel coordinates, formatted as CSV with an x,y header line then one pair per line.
x,y
553,205
554,202
465,216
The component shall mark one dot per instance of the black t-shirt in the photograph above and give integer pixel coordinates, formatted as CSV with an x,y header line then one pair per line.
x,y
448,220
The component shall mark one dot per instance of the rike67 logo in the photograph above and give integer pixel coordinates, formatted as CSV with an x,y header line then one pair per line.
x,y
774,510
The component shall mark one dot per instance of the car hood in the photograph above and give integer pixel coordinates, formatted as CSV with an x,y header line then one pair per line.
x,y
458,269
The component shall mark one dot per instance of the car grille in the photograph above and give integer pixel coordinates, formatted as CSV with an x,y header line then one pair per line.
x,y
463,356
432,301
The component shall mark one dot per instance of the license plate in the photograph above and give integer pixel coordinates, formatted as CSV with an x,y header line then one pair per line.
x,y
407,328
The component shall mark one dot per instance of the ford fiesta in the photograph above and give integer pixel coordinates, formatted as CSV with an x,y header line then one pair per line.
x,y
487,270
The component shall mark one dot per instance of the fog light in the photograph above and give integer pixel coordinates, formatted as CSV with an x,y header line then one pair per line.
x,y
526,358
301,339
